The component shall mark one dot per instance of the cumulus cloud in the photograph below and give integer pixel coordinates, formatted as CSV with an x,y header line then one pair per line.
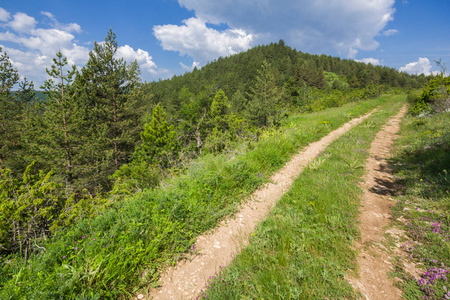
x,y
200,42
38,46
22,23
369,60
422,66
340,26
4,15
142,57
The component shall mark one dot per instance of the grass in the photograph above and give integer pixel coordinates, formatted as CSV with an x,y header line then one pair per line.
x,y
125,248
303,250
421,166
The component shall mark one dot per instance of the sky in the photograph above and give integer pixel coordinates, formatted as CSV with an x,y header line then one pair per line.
x,y
171,37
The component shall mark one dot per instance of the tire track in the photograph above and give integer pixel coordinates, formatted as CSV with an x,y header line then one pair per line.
x,y
373,260
216,250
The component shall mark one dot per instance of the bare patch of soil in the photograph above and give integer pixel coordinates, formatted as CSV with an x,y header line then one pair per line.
x,y
374,259
215,250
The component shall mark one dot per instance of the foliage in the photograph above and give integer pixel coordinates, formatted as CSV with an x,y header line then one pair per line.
x,y
106,87
157,152
264,98
303,249
9,113
124,247
28,209
423,203
435,97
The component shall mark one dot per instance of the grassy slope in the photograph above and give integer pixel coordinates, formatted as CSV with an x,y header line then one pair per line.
x,y
422,169
304,248
106,256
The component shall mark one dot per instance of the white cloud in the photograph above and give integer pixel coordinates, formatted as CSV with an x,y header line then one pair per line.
x,y
142,57
72,27
4,15
369,60
201,42
22,23
38,46
340,26
195,64
422,66
390,32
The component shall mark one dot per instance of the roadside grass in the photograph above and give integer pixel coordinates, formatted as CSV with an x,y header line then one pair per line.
x,y
303,250
421,166
125,248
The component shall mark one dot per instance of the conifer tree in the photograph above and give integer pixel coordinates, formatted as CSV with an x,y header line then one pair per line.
x,y
264,98
106,86
219,110
59,119
159,142
8,109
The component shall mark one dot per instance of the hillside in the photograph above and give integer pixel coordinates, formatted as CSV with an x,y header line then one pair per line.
x,y
109,180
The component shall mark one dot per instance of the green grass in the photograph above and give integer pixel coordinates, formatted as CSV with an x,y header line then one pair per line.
x,y
422,166
125,248
303,249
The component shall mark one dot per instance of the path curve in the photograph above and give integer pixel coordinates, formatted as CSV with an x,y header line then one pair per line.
x,y
215,250
373,259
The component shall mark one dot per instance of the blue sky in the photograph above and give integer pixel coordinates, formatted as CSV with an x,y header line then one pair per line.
x,y
170,37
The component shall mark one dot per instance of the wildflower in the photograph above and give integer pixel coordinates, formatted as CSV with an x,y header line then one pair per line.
x,y
64,257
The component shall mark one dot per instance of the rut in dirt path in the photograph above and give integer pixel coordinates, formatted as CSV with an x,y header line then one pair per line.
x,y
215,250
373,259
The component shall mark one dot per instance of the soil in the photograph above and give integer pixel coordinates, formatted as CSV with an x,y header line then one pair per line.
x,y
374,259
216,249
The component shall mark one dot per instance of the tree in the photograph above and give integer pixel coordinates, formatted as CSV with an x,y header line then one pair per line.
x,y
107,87
219,110
158,151
9,113
264,97
60,119
159,142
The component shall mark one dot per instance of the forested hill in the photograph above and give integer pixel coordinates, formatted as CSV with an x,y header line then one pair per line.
x,y
102,141
291,68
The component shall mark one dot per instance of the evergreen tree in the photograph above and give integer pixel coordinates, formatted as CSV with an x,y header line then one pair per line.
x,y
59,120
219,110
264,96
9,110
159,142
107,87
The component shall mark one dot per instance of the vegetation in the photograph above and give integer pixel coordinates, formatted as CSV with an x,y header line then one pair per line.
x,y
421,162
106,180
106,256
304,248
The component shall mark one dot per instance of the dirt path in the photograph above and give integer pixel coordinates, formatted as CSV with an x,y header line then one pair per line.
x,y
373,259
188,277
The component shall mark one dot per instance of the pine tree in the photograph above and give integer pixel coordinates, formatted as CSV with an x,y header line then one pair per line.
x,y
59,120
9,110
264,98
159,142
107,87
219,110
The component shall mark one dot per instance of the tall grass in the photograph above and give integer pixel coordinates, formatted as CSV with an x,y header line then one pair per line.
x,y
303,250
126,247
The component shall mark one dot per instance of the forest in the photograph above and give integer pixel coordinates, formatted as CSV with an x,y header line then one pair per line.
x,y
76,149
